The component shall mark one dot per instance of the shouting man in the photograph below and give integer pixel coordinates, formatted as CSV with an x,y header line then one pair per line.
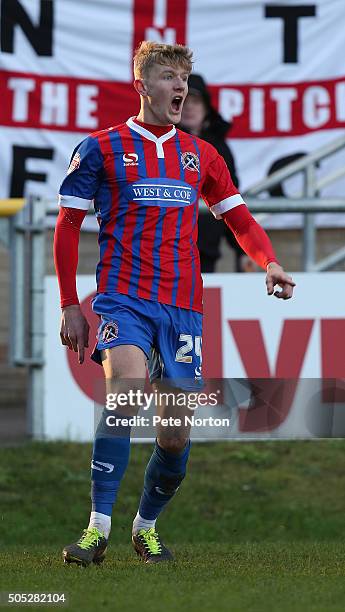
x,y
144,178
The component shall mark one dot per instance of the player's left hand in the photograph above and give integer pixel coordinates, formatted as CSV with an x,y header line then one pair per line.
x,y
276,276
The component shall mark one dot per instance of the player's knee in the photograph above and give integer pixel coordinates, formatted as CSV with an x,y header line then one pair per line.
x,y
173,445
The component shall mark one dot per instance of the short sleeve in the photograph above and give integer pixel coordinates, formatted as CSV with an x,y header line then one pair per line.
x,y
218,190
83,177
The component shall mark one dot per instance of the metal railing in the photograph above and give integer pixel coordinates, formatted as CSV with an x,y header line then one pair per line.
x,y
27,270
308,203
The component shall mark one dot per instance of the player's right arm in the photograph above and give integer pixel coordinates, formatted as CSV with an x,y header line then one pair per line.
x,y
76,194
226,203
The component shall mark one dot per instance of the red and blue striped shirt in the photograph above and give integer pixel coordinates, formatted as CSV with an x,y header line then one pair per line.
x,y
145,183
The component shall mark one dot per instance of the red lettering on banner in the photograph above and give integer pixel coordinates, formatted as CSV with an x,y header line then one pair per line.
x,y
272,394
162,21
85,105
333,360
276,109
64,103
271,400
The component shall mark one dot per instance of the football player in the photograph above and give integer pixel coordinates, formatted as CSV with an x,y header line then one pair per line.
x,y
144,178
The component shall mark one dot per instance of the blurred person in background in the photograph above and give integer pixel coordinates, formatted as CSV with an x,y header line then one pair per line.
x,y
201,119
248,265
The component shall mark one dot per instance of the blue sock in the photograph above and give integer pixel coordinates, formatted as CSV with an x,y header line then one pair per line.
x,y
109,462
163,476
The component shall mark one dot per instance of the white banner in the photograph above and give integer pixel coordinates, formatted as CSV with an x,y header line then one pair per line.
x,y
298,345
275,69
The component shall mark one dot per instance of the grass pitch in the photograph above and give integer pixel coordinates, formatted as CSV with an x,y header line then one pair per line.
x,y
255,527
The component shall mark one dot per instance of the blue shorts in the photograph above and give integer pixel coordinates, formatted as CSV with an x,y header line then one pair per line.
x,y
169,336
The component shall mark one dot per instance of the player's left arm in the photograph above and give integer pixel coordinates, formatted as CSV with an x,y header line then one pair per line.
x,y
226,203
255,242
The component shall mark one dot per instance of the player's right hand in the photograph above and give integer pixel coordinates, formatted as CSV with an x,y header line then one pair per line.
x,y
74,330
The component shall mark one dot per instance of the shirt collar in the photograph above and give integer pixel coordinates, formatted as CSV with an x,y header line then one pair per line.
x,y
159,140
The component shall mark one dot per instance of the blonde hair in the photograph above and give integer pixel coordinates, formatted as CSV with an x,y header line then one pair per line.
x,y
150,53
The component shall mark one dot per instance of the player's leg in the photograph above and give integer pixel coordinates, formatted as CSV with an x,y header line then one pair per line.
x,y
125,371
124,368
167,466
164,474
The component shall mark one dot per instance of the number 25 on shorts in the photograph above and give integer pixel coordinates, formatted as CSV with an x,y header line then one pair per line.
x,y
182,355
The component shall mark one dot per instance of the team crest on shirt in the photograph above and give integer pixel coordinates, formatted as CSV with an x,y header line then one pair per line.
x,y
110,332
190,161
75,163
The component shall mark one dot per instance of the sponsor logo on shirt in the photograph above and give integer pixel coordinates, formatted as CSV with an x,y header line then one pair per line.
x,y
190,161
130,159
75,163
161,192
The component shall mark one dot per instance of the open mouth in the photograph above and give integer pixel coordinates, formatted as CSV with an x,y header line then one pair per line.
x,y
177,103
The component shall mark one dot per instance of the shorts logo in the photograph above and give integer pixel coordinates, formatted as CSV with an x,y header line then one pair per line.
x,y
197,372
75,163
190,161
110,332
130,159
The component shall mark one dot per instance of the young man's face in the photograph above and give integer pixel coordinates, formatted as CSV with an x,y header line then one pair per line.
x,y
166,88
